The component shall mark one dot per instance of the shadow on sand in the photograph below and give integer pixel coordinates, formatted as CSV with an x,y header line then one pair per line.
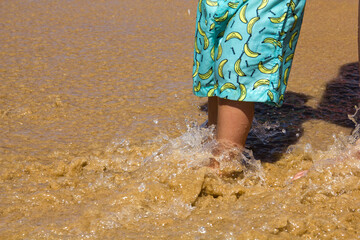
x,y
275,129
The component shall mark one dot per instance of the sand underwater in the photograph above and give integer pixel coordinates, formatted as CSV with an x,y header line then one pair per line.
x,y
100,137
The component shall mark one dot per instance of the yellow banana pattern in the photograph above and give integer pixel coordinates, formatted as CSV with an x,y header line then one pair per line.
x,y
212,3
243,49
237,68
265,70
198,87
211,92
227,86
281,58
220,68
212,53
206,75
233,5
221,34
286,75
279,83
271,95
242,14
263,4
290,57
243,92
251,24
272,41
219,52
292,39
261,82
295,22
222,18
196,69
233,35
202,33
278,19
196,46
250,53
292,5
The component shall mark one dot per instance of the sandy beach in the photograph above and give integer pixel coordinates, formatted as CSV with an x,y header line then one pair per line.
x,y
99,136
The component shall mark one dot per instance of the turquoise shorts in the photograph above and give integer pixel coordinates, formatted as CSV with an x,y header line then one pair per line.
x,y
244,48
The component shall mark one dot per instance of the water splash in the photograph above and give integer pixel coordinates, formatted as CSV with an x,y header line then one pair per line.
x,y
355,135
195,147
339,163
266,130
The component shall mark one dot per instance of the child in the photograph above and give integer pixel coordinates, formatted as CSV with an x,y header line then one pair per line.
x,y
243,54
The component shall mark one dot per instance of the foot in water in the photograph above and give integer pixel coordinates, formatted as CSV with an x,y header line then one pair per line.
x,y
226,162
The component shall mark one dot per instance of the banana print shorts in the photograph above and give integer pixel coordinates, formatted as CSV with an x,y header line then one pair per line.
x,y
244,48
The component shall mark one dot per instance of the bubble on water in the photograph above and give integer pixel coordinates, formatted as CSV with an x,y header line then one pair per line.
x,y
193,146
355,134
202,230
229,236
141,188
264,131
290,149
119,145
308,148
253,167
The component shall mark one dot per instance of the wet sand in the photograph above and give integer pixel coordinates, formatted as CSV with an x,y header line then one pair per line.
x,y
98,138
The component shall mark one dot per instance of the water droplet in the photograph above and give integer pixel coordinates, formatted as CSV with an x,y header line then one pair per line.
x,y
202,230
141,188
308,147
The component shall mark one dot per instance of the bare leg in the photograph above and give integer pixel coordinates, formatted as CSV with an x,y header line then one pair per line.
x,y
212,110
234,122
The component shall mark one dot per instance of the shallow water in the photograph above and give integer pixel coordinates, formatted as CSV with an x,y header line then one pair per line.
x,y
100,135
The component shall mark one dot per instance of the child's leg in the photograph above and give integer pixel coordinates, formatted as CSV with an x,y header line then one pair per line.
x,y
234,122
212,110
